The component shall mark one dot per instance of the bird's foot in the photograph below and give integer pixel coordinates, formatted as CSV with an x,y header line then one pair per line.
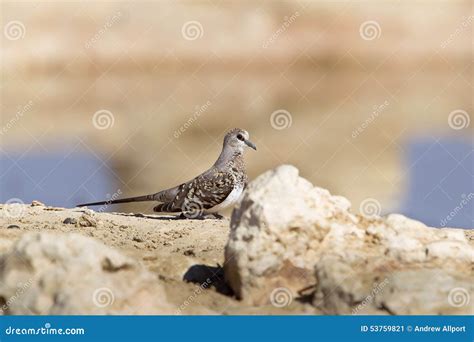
x,y
217,216
182,216
213,216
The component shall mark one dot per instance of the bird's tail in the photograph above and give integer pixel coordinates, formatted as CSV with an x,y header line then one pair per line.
x,y
122,200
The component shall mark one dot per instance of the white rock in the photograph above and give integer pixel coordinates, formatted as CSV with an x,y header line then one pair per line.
x,y
277,230
50,274
286,233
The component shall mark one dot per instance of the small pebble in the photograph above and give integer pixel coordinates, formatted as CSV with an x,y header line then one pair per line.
x,y
70,220
37,204
189,252
137,239
87,219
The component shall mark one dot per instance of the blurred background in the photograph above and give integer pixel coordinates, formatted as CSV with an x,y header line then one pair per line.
x,y
371,100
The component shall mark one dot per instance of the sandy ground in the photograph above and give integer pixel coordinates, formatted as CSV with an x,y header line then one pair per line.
x,y
182,253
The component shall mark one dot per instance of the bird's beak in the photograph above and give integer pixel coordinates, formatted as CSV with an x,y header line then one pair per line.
x,y
250,144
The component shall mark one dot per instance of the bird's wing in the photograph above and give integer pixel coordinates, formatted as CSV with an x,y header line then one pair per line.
x,y
203,192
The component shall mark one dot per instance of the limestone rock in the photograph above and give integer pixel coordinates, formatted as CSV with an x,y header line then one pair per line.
x,y
288,234
87,219
53,274
35,203
276,233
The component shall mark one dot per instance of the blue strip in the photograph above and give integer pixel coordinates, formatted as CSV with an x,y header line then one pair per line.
x,y
239,328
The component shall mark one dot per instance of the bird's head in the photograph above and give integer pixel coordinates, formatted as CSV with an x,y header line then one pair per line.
x,y
238,139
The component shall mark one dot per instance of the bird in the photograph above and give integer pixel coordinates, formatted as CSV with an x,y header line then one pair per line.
x,y
218,188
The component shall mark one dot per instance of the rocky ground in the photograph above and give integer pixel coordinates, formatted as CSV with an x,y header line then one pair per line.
x,y
292,249
181,254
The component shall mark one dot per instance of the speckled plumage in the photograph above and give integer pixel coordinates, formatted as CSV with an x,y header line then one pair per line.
x,y
205,191
213,190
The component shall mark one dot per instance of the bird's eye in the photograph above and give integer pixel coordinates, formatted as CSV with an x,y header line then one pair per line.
x,y
240,137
